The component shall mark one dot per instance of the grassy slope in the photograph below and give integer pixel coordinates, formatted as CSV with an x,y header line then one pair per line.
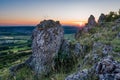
x,y
104,35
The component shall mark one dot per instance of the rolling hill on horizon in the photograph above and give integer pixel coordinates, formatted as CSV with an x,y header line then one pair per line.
x,y
27,30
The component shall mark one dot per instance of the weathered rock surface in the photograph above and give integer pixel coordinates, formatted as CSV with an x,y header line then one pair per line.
x,y
80,75
91,21
107,49
101,19
71,49
90,24
108,69
102,48
46,40
97,46
117,21
78,34
78,50
65,47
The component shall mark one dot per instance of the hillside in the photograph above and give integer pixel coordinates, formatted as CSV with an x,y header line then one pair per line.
x,y
80,54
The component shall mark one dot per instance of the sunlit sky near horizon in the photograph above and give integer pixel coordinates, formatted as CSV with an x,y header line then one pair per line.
x,y
31,12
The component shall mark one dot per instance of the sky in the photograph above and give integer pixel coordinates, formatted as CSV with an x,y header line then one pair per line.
x,y
68,12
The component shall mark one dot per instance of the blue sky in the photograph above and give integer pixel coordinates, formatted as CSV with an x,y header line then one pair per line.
x,y
30,12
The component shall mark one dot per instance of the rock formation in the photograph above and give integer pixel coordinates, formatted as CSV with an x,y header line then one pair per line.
x,y
46,40
80,75
91,21
65,47
71,49
101,19
108,69
78,50
90,24
78,34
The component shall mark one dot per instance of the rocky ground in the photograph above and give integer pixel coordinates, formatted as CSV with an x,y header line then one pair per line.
x,y
104,53
94,54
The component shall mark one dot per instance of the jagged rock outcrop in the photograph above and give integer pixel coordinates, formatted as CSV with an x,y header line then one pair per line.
x,y
91,21
46,41
90,24
101,19
108,69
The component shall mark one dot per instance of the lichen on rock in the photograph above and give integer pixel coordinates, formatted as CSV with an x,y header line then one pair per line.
x,y
46,40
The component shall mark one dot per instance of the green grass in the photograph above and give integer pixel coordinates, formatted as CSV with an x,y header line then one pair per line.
x,y
19,52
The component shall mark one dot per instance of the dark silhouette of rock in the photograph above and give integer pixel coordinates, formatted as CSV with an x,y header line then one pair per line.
x,y
91,21
46,40
101,19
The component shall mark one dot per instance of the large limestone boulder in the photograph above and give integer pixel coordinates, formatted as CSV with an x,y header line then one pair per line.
x,y
90,24
46,40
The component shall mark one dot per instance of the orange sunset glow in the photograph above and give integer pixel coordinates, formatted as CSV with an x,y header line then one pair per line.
x,y
18,22
34,22
68,12
74,23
